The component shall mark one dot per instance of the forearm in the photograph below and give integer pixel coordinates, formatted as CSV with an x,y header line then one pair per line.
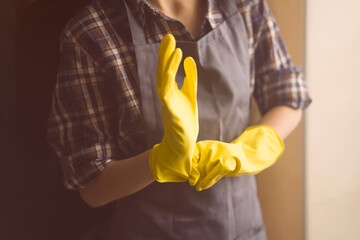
x,y
119,179
283,119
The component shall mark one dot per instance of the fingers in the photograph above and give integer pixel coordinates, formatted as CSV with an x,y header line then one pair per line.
x,y
213,165
168,83
169,61
194,176
189,87
167,47
174,62
195,173
212,177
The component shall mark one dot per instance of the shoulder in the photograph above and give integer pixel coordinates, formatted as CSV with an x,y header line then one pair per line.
x,y
255,14
243,5
253,7
97,26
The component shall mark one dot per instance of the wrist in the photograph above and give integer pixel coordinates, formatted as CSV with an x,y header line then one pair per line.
x,y
154,153
167,165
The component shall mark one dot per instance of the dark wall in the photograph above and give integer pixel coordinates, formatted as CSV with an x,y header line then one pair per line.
x,y
9,181
34,203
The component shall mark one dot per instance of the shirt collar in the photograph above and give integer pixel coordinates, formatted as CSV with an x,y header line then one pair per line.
x,y
137,8
214,15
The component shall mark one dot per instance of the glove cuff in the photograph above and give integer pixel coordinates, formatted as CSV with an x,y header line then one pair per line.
x,y
154,153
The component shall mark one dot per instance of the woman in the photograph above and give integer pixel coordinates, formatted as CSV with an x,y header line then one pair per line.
x,y
107,125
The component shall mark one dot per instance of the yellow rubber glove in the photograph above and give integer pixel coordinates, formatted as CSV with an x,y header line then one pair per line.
x,y
171,160
257,148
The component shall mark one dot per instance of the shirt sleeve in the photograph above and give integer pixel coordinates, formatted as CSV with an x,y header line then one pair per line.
x,y
277,80
81,127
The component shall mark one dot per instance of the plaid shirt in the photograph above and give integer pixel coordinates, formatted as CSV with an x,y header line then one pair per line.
x,y
96,110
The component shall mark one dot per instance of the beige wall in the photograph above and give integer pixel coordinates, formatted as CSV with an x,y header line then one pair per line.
x,y
281,188
332,123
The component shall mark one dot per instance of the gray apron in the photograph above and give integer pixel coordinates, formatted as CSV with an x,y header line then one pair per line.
x,y
230,209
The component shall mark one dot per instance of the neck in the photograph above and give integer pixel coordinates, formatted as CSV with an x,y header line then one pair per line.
x,y
175,7
189,12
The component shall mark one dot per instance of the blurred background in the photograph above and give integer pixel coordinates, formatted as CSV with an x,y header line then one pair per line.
x,y
312,192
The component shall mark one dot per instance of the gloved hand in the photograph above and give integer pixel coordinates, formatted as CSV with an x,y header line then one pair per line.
x,y
171,160
257,148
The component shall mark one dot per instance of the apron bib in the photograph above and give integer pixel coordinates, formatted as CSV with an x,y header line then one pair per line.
x,y
230,209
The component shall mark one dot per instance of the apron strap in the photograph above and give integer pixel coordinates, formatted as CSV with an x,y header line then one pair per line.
x,y
137,32
228,7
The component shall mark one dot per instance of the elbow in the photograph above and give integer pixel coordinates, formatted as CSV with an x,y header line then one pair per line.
x,y
298,115
91,199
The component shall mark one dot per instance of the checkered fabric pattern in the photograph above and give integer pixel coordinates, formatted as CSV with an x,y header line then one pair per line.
x,y
96,114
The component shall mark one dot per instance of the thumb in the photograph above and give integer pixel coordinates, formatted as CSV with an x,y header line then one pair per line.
x,y
213,177
194,172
